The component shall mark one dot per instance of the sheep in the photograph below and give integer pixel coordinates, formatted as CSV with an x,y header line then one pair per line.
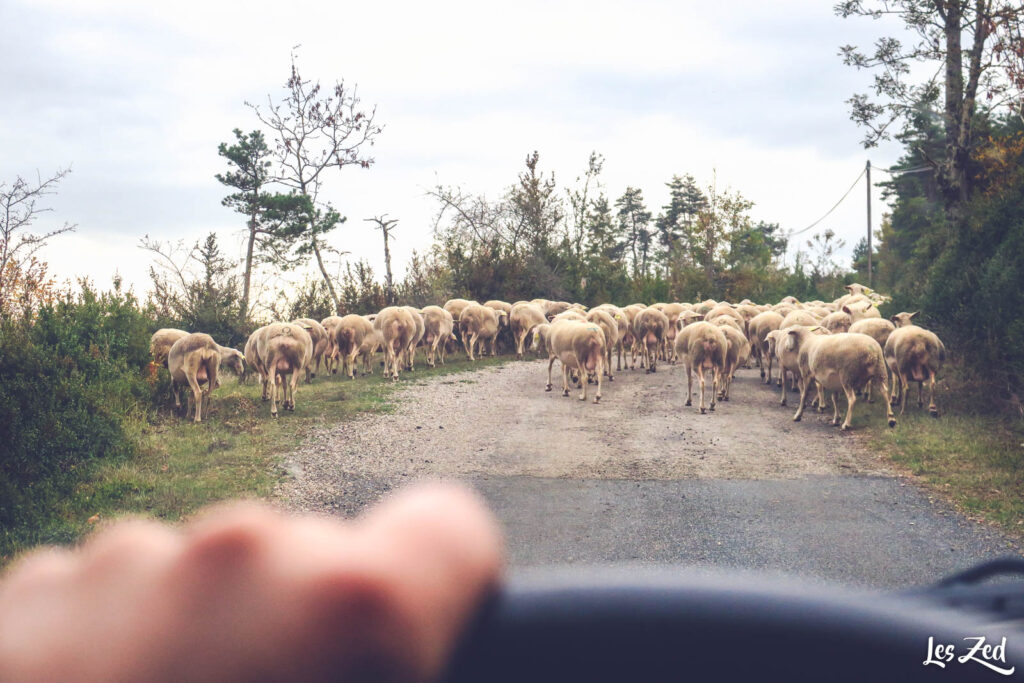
x,y
757,332
284,349
233,360
504,331
903,319
798,318
332,357
455,307
788,355
162,341
725,309
839,321
553,308
735,356
579,346
624,337
672,312
726,321
859,311
372,342
499,306
914,354
479,325
437,329
878,329
611,336
523,318
839,362
409,355
649,329
571,314
321,342
397,327
252,359
702,346
194,360
349,333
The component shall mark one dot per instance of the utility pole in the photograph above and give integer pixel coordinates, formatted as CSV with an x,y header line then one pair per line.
x,y
871,277
386,226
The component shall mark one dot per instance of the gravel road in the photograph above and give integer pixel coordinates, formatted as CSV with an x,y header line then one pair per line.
x,y
641,478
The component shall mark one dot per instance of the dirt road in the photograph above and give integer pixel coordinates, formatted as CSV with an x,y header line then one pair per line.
x,y
642,478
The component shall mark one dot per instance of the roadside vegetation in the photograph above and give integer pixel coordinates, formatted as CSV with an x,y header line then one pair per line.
x,y
166,467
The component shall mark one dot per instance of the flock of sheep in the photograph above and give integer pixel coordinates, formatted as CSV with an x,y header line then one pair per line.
x,y
844,346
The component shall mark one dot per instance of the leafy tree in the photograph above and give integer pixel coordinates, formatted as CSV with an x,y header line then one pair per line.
x,y
966,74
275,220
196,288
724,213
676,222
536,205
634,233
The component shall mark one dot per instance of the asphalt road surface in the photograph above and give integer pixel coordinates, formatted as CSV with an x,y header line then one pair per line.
x,y
640,478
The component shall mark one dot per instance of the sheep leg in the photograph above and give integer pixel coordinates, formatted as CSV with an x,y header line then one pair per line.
x,y
932,408
783,371
600,362
583,385
618,353
768,380
565,379
700,377
689,383
884,390
851,399
715,379
551,363
291,392
520,338
197,395
272,380
904,390
835,408
920,392
804,386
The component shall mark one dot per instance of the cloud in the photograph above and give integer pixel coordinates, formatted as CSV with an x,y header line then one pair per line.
x,y
137,97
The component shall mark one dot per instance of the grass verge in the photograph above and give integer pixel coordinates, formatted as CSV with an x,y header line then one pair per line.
x,y
180,466
975,460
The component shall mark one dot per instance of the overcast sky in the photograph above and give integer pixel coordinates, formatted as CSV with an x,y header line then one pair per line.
x,y
136,96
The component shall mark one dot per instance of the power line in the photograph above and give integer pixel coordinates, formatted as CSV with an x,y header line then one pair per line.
x,y
900,171
861,175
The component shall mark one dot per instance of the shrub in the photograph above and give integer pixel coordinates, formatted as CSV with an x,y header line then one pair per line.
x,y
72,377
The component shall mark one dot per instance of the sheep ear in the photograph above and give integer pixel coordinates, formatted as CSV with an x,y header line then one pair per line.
x,y
846,310
913,314
848,287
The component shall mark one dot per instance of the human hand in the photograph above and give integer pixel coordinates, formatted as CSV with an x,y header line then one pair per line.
x,y
245,592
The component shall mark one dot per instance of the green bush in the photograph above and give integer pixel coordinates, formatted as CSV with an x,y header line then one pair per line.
x,y
71,379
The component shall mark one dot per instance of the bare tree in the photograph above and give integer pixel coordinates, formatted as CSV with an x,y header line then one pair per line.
x,y
316,132
386,226
19,209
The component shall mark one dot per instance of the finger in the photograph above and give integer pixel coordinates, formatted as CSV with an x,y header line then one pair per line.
x,y
441,550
